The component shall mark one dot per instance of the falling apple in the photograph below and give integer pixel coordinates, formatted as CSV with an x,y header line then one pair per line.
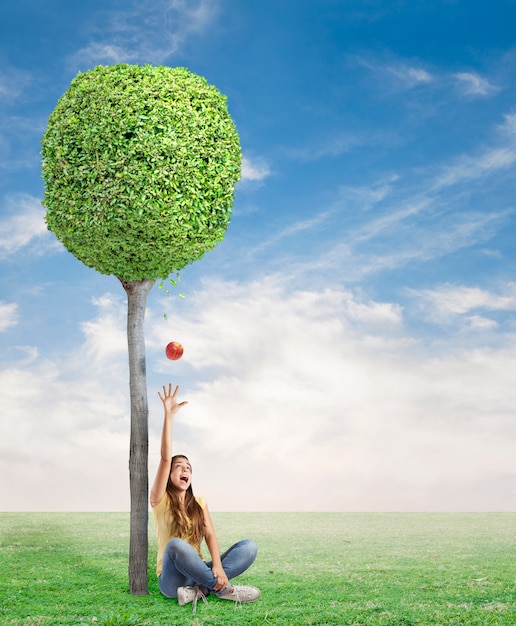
x,y
174,351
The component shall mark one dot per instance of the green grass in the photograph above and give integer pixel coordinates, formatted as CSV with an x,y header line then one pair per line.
x,y
313,569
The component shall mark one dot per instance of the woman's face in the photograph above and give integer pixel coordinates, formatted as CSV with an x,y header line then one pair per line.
x,y
181,474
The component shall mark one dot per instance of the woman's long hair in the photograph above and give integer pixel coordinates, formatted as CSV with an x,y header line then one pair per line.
x,y
185,513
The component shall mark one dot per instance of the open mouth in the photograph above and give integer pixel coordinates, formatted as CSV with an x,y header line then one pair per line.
x,y
184,479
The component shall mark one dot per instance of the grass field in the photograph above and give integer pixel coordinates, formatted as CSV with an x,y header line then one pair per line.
x,y
313,569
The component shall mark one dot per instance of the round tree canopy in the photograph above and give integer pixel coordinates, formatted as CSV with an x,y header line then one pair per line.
x,y
140,165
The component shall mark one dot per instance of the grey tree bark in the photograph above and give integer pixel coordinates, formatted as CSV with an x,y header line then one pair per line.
x,y
137,292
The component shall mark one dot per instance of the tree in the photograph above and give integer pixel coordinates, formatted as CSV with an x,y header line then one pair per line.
x,y
140,165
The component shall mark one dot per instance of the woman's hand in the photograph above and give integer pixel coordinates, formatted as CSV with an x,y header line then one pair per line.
x,y
220,575
169,399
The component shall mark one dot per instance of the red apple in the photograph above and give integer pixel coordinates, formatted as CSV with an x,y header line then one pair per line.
x,y
174,351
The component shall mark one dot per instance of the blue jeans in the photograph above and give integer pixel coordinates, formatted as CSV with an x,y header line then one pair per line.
x,y
183,567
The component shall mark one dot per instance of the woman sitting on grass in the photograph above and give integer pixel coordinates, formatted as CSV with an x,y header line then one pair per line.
x,y
182,521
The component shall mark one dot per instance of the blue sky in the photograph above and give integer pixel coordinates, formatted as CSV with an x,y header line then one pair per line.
x,y
351,345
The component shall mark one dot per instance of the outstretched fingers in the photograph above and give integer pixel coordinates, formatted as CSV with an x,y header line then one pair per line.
x,y
169,397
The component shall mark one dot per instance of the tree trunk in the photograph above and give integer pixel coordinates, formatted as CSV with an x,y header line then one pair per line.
x,y
137,292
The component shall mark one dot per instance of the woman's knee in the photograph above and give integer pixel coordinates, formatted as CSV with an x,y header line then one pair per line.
x,y
176,547
249,548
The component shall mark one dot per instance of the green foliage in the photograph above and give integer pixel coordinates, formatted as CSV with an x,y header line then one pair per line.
x,y
140,165
115,619
314,569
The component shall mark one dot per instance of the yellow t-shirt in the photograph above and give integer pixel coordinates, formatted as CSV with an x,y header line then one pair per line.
x,y
165,528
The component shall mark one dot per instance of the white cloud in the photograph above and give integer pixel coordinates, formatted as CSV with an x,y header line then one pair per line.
x,y
447,301
301,226
399,74
409,76
65,444
509,124
13,82
333,146
402,75
326,376
66,439
472,84
254,169
415,215
185,17
403,217
290,392
364,198
389,220
106,335
23,222
360,251
97,53
8,315
481,322
149,32
469,168
497,157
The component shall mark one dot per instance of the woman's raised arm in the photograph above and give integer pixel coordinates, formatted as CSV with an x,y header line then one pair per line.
x,y
171,407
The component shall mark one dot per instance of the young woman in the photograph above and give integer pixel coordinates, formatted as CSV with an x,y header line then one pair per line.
x,y
182,521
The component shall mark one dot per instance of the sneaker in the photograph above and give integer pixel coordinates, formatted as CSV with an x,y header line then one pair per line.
x,y
190,594
242,594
